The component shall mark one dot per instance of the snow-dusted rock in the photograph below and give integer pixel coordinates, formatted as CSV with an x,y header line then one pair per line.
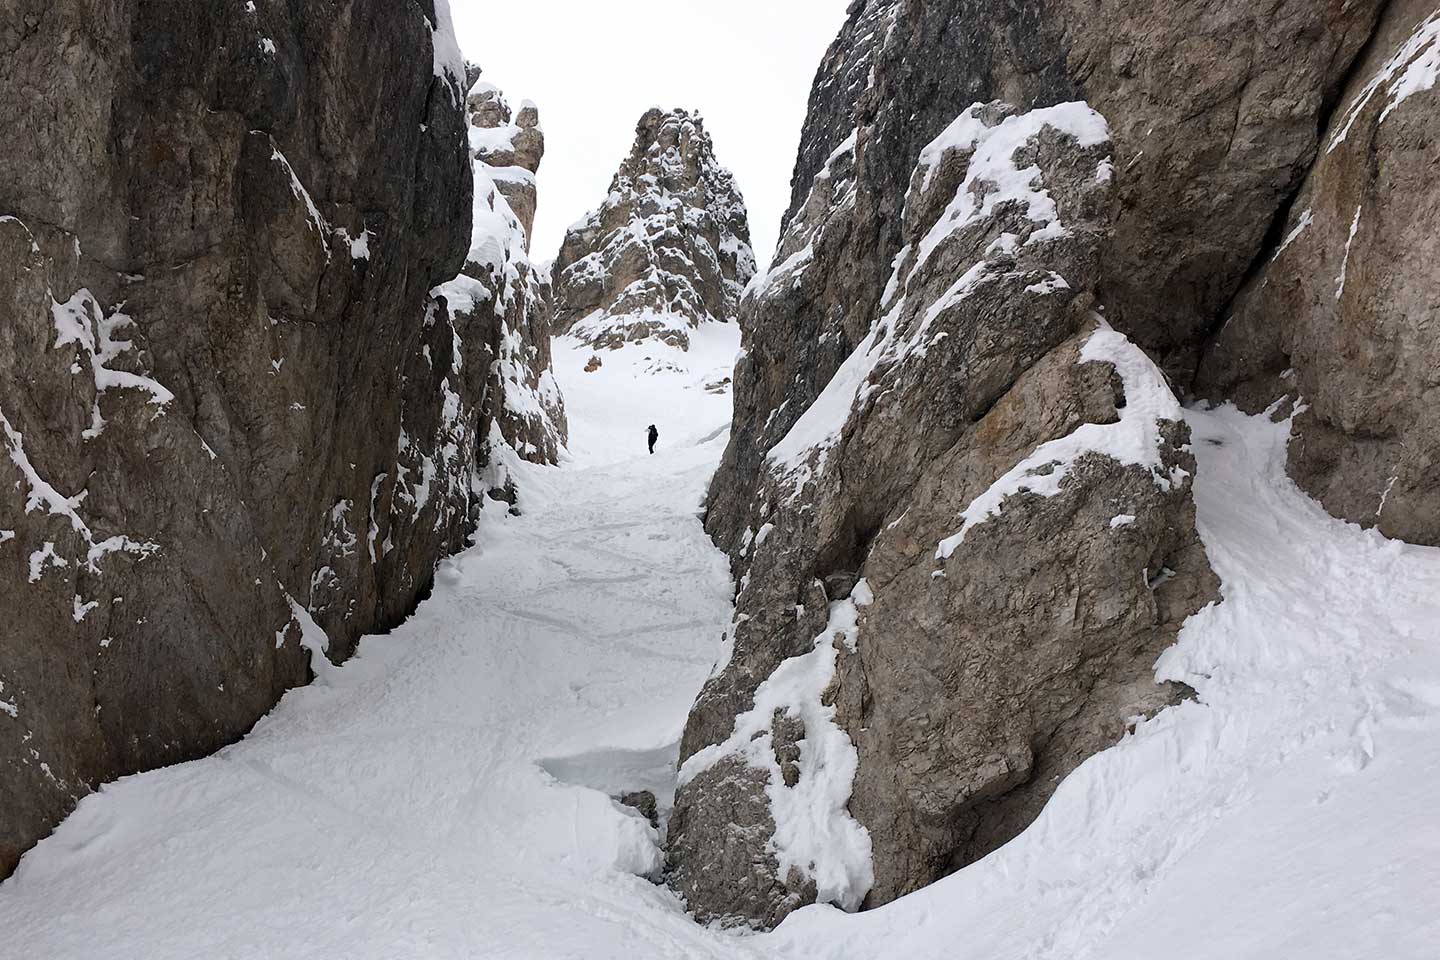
x,y
1342,317
999,644
230,414
500,303
667,250
510,145
937,616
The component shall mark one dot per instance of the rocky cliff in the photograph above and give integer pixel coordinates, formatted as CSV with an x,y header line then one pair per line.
x,y
667,250
501,301
1340,314
956,497
238,427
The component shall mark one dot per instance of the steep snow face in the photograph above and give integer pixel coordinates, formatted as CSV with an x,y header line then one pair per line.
x,y
668,249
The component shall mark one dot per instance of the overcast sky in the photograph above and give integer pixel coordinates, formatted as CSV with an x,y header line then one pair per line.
x,y
595,66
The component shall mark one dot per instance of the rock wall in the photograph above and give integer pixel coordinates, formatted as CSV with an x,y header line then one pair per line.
x,y
1214,112
501,302
667,250
952,589
236,431
964,558
1342,313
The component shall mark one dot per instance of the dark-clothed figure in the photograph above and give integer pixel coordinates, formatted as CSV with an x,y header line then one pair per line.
x,y
654,435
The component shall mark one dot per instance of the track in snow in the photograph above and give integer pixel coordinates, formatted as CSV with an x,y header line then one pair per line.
x,y
411,805
445,794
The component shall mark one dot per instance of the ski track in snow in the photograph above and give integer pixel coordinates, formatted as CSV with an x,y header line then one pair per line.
x,y
413,803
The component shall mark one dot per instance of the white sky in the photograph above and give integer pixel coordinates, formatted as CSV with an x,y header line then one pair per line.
x,y
595,66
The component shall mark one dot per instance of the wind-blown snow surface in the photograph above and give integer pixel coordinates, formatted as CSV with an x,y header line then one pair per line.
x,y
426,800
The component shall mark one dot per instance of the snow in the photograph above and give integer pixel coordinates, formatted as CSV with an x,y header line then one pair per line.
x,y
993,163
819,426
814,832
1134,439
297,188
81,322
1345,261
449,61
45,556
1306,219
1418,58
411,805
818,429
445,793
359,246
644,383
1286,812
40,492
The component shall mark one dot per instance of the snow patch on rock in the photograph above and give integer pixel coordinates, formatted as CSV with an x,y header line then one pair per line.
x,y
814,832
1135,439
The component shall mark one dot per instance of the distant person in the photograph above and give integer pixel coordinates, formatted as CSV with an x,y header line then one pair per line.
x,y
654,435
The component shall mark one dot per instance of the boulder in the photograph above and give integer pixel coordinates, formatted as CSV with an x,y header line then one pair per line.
x,y
964,557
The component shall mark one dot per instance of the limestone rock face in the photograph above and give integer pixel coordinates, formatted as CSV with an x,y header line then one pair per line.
x,y
1343,312
510,149
501,302
1214,111
963,558
1256,222
667,250
234,431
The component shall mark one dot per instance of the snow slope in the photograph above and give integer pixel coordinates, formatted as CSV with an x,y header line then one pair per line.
x,y
405,805
649,382
431,799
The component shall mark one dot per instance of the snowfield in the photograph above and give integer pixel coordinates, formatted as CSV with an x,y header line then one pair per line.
x,y
445,793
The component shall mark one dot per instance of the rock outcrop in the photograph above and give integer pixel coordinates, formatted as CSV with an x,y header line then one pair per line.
x,y
501,302
1343,312
964,557
236,431
669,248
1213,130
952,590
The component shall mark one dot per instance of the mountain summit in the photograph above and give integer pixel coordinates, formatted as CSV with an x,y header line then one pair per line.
x,y
667,250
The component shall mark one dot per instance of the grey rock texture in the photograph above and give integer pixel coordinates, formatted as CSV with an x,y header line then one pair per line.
x,y
667,250
1214,108
963,677
1343,312
234,423
964,697
510,144
501,302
